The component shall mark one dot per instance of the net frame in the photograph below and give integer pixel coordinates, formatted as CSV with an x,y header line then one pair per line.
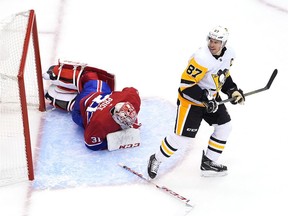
x,y
30,39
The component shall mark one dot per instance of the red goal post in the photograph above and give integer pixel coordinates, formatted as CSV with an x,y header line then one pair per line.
x,y
21,94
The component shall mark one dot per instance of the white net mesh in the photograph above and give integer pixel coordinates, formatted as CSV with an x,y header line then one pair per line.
x,y
13,159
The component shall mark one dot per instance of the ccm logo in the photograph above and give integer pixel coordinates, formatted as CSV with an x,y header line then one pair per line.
x,y
129,146
191,129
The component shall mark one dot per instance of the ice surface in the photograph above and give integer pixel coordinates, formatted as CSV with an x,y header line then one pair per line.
x,y
63,160
146,44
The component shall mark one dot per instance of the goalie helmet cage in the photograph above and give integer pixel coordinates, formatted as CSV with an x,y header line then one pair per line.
x,y
21,90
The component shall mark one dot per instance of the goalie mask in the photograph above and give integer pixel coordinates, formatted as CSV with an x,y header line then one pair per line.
x,y
124,114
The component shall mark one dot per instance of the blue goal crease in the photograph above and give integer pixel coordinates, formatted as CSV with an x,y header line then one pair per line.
x,y
64,161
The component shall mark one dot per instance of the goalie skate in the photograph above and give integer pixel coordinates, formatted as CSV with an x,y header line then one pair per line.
x,y
210,168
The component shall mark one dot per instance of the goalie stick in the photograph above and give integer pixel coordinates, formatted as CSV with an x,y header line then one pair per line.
x,y
257,90
163,188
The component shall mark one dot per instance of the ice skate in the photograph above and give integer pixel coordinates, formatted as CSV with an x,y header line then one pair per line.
x,y
153,166
210,168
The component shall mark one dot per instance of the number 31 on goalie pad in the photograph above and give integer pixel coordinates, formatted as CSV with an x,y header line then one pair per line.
x,y
127,138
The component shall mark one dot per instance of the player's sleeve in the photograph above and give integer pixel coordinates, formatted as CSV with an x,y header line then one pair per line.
x,y
94,137
96,143
189,88
228,86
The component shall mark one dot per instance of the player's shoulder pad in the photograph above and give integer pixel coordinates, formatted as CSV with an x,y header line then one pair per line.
x,y
229,53
203,57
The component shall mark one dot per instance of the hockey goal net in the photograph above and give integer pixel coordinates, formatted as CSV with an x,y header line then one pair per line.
x,y
21,94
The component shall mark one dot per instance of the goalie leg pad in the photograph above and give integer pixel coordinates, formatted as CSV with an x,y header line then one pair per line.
x,y
74,75
127,138
101,75
63,101
65,75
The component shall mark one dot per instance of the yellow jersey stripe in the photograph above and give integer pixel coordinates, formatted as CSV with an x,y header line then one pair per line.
x,y
216,145
166,149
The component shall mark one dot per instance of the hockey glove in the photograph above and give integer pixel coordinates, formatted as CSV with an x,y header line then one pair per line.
x,y
238,95
210,104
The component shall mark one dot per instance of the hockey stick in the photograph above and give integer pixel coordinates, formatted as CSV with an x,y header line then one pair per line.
x,y
163,188
257,90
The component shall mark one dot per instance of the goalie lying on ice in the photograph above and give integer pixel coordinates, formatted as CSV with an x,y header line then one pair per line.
x,y
109,117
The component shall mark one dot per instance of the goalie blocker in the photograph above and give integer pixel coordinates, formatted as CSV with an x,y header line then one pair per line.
x,y
127,138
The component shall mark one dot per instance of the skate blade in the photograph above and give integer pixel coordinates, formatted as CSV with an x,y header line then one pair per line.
x,y
209,173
